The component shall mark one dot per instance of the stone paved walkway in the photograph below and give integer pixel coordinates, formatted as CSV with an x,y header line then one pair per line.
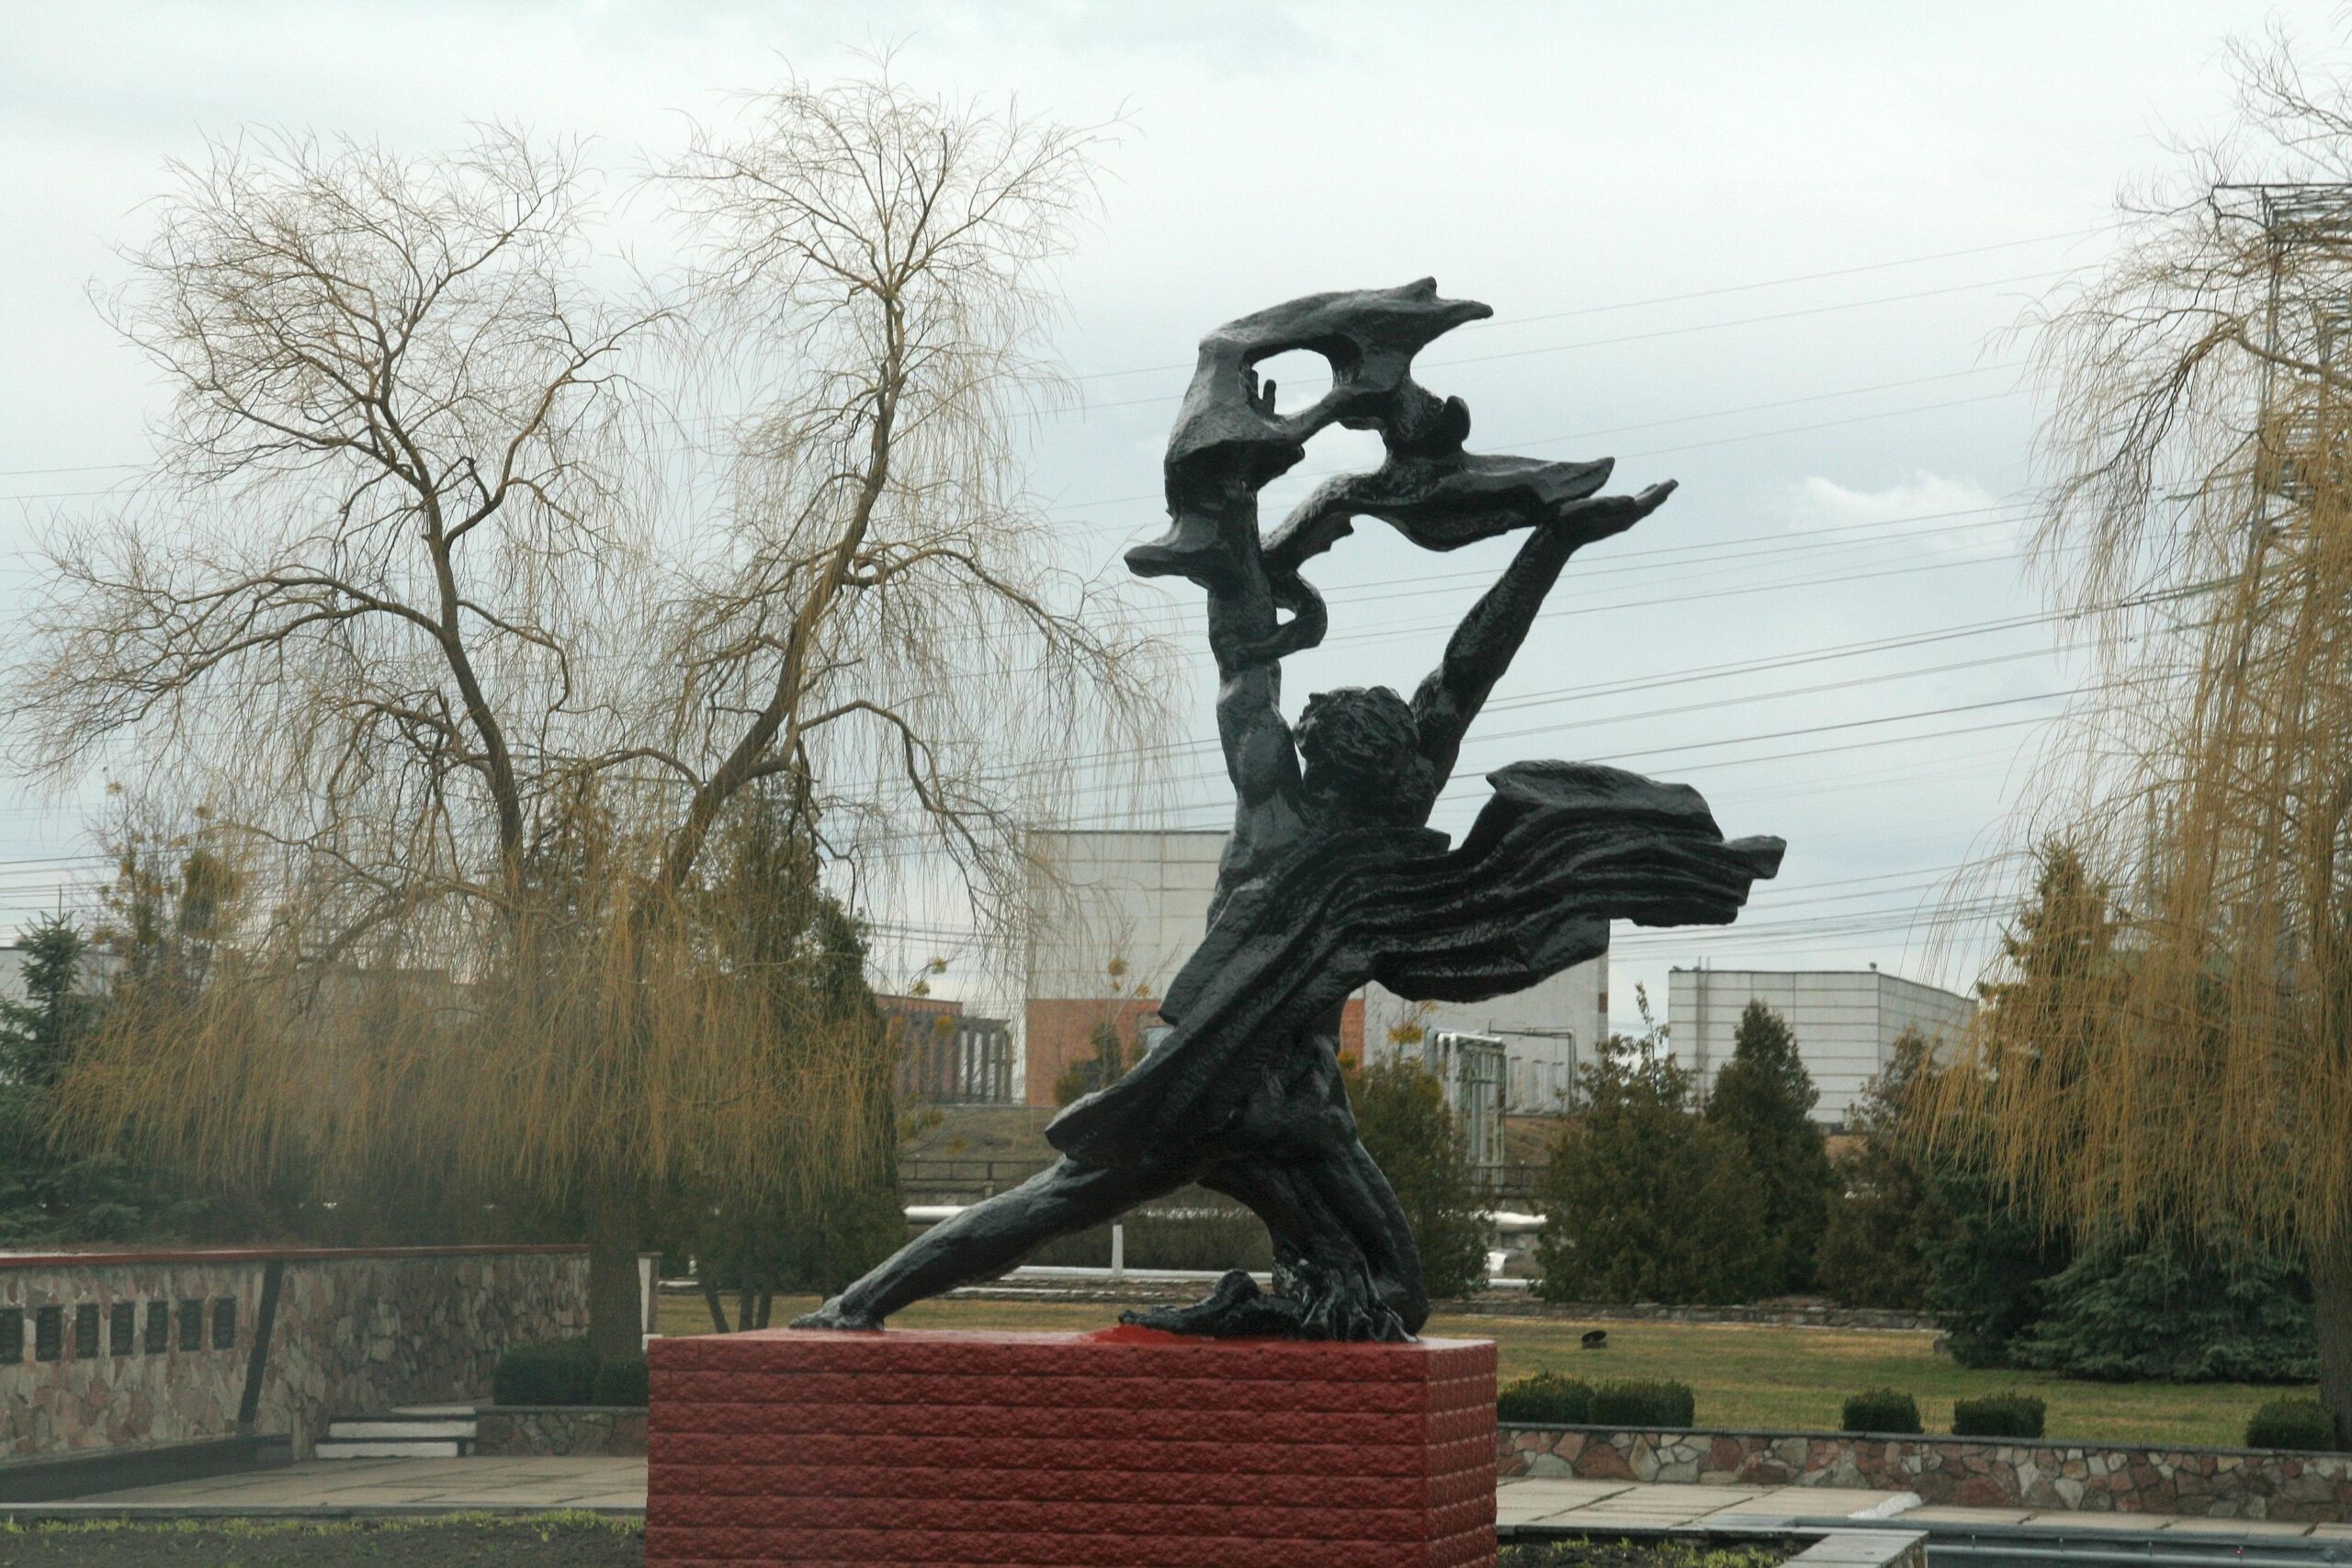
x,y
329,1487
1531,1500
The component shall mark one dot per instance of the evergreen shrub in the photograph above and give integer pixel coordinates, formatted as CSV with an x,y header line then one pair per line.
x,y
1882,1410
557,1371
1998,1416
1547,1397
2299,1424
2133,1308
1643,1403
621,1381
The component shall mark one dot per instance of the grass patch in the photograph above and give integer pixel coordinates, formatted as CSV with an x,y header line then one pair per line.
x,y
564,1539
1743,1375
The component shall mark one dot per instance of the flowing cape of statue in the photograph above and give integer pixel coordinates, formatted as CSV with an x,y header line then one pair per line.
x,y
1559,851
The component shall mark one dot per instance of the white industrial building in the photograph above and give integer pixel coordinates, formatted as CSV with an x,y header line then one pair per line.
x,y
1845,1023
1142,899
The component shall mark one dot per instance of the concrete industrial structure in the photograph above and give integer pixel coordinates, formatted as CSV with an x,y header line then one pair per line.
x,y
1140,900
1845,1023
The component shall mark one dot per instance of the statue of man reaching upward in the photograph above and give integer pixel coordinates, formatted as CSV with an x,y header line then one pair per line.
x,y
1332,876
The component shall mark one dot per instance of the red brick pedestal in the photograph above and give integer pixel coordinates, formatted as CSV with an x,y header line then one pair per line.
x,y
1126,1449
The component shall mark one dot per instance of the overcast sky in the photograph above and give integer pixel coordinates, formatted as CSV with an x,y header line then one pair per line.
x,y
1770,250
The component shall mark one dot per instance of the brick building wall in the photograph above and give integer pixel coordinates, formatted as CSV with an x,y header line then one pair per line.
x,y
1059,1032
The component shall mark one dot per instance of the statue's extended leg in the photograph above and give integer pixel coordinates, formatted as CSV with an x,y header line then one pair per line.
x,y
994,1236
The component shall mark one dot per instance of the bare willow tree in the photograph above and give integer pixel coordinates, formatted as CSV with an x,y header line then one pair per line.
x,y
482,588
2200,1077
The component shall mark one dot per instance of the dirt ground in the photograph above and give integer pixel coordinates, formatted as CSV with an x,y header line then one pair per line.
x,y
461,1541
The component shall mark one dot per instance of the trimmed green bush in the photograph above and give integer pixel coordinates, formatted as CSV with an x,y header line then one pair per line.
x,y
1640,1403
1546,1397
621,1381
1882,1410
2300,1423
558,1372
1998,1416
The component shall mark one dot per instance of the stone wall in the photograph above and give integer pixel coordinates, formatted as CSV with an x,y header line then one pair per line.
x,y
2223,1484
1518,1303
167,1347
559,1430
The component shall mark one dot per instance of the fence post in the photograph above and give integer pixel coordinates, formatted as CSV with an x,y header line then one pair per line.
x,y
1118,1249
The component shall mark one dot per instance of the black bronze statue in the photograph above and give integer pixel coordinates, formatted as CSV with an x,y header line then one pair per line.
x,y
1332,877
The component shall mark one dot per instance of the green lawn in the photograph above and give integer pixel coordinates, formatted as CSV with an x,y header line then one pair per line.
x,y
1743,1376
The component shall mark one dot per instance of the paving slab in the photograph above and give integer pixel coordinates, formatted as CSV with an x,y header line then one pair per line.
x,y
1948,1514
2250,1527
1822,1502
2061,1519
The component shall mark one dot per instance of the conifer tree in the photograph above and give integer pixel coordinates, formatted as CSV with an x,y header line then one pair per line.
x,y
48,1194
1424,1151
1645,1200
1764,1098
1887,1214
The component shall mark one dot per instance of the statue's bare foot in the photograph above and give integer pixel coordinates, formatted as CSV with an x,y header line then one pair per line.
x,y
1235,1309
1349,1311
832,1314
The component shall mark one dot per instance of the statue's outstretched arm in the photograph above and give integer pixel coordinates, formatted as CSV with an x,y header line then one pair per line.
x,y
1482,646
1260,755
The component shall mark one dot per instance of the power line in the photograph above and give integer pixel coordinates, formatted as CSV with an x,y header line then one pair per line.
x,y
1658,332
1440,364
1702,293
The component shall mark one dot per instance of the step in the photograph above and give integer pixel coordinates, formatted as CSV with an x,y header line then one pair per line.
x,y
403,1431
428,1431
438,1447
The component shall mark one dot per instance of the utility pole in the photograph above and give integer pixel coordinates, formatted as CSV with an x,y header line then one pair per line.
x,y
2307,314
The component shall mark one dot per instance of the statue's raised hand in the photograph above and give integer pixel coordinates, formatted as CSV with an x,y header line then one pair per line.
x,y
1600,516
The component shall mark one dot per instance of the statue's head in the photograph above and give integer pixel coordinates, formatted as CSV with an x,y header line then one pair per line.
x,y
1362,751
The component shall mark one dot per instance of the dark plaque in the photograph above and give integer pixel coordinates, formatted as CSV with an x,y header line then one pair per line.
x,y
12,1336
122,1328
224,1324
191,1325
86,1331
49,1333
159,1327
1333,877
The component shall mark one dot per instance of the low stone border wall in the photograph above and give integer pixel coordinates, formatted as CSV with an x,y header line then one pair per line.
x,y
1514,1302
555,1431
2223,1484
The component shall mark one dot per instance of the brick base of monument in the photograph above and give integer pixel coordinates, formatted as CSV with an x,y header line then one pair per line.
x,y
1125,1449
